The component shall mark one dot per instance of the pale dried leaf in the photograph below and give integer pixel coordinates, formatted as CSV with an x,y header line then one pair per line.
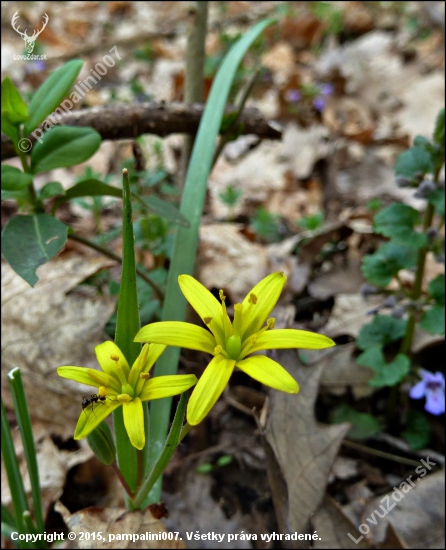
x,y
116,524
305,449
349,314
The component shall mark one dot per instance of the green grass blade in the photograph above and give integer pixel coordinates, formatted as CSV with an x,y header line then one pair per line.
x,y
18,494
8,516
186,239
127,325
26,432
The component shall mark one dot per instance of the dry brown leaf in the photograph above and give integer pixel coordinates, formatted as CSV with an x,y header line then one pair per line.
x,y
417,516
349,314
117,526
343,279
51,325
333,527
305,449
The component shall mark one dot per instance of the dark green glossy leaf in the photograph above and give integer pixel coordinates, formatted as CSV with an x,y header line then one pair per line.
x,y
436,289
14,179
380,267
51,93
90,188
64,146
30,241
13,105
437,199
382,330
391,373
397,221
413,161
418,430
363,425
433,320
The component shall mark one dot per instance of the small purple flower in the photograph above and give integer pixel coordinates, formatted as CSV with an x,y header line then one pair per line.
x,y
319,103
293,96
430,386
327,90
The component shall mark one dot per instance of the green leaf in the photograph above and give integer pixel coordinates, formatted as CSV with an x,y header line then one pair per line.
x,y
101,443
14,179
363,425
51,189
391,373
163,209
30,241
433,320
413,161
89,188
372,357
64,146
204,468
380,267
436,289
186,239
436,198
22,197
381,331
10,130
418,430
51,93
439,129
397,222
13,105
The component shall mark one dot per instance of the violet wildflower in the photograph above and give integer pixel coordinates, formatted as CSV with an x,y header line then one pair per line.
x,y
430,386
319,103
293,96
327,90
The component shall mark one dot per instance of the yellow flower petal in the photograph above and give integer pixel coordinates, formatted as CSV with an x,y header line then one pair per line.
x,y
290,338
268,372
266,293
166,386
209,388
92,416
155,350
104,354
134,422
177,333
204,303
89,377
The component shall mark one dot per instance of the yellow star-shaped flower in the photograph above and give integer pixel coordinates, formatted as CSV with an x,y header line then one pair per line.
x,y
118,384
231,343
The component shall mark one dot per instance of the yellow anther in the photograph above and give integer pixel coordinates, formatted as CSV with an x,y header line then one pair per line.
x,y
114,358
145,375
217,350
102,391
207,320
124,398
271,323
252,299
222,296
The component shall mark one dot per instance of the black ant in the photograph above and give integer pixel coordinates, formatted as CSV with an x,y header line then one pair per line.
x,y
94,398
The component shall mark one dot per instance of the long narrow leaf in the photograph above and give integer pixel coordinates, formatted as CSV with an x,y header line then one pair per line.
x,y
26,432
127,325
186,240
18,494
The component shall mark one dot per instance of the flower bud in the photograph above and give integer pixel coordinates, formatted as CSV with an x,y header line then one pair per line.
x,y
398,312
102,444
431,233
389,302
425,188
367,290
402,181
373,311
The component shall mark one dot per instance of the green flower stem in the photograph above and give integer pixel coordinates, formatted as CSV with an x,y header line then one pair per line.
x,y
122,480
186,429
127,325
169,448
186,240
106,252
15,481
24,422
416,293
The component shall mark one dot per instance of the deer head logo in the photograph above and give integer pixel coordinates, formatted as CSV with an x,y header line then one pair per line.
x,y
29,40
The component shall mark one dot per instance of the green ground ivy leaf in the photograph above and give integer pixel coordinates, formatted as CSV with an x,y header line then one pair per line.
x,y
418,430
382,330
437,199
64,146
372,357
391,373
397,222
436,289
433,320
413,161
363,425
380,267
51,93
14,179
30,241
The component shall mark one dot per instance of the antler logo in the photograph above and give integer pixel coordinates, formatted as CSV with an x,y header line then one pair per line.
x,y
29,40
